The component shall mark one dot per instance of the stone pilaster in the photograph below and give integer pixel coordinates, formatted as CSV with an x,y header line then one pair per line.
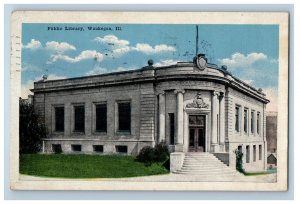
x,y
162,115
179,111
214,112
222,121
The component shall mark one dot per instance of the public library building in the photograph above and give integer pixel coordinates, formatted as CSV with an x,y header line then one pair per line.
x,y
192,106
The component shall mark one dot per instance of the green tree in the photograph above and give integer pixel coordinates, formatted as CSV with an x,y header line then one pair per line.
x,y
31,128
239,161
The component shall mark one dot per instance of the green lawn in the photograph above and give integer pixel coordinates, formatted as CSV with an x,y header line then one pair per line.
x,y
86,166
260,172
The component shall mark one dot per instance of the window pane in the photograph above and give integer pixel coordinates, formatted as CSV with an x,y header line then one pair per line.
x,y
98,148
76,148
124,116
192,120
254,153
246,120
260,152
101,118
172,128
59,119
121,149
79,118
237,119
252,122
258,123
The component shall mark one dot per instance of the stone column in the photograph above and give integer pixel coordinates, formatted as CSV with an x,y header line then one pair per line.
x,y
214,112
162,115
222,120
179,126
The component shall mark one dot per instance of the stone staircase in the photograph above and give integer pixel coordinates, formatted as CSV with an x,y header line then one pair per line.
x,y
207,165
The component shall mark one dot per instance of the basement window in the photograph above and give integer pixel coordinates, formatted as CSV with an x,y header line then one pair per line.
x,y
76,148
98,148
56,148
121,149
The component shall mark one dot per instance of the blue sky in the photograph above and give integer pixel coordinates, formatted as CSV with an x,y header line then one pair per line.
x,y
249,51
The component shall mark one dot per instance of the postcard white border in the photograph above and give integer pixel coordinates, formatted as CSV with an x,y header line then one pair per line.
x,y
19,17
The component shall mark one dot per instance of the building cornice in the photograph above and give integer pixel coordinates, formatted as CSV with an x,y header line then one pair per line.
x,y
150,76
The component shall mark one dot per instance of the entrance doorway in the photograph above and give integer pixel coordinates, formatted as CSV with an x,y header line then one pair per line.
x,y
196,133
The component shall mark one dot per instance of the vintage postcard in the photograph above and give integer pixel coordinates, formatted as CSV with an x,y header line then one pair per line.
x,y
149,101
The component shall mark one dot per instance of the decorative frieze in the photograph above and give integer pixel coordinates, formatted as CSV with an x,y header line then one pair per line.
x,y
198,102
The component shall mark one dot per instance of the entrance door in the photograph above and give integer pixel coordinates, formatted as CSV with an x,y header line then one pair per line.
x,y
197,133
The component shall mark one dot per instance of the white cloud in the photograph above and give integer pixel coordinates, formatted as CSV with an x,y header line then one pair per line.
x,y
272,95
33,44
86,54
166,62
148,49
25,88
120,47
102,70
59,46
30,67
97,70
248,81
112,40
241,60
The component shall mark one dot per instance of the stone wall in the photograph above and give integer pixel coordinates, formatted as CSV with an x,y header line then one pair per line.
x,y
141,97
242,138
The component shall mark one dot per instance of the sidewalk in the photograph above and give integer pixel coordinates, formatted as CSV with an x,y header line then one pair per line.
x,y
268,178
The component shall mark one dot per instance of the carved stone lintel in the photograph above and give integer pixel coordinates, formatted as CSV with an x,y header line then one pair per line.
x,y
179,91
198,102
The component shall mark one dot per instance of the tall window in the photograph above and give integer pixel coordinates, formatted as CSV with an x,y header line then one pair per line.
x,y
258,123
59,119
254,153
172,128
237,118
247,154
79,118
252,122
259,152
101,118
124,110
245,120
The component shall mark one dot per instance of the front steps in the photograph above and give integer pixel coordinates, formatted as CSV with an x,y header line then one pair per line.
x,y
207,165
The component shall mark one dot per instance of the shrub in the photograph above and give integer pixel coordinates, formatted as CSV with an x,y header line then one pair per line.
x,y
161,152
146,155
31,128
239,161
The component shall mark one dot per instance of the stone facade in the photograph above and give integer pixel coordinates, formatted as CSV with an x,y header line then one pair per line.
x,y
189,107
